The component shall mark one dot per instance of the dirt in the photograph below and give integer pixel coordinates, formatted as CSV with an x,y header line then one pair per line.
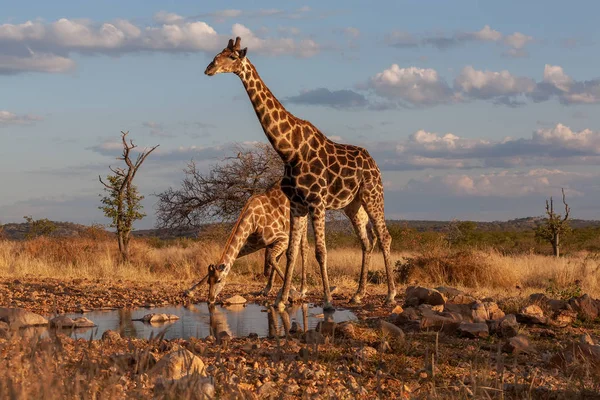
x,y
425,365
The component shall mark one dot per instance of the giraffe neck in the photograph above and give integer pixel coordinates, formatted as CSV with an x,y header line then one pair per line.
x,y
239,234
275,120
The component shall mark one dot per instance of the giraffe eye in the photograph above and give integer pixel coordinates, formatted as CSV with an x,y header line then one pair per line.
x,y
232,57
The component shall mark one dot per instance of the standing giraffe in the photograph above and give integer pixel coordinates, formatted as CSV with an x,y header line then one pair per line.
x,y
319,175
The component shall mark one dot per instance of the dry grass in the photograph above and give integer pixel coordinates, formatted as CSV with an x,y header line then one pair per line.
x,y
485,271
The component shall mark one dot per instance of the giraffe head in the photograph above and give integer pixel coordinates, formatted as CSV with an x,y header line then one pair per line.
x,y
231,59
215,274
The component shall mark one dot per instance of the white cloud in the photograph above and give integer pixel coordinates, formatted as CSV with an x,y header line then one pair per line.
x,y
10,118
37,46
486,34
568,91
416,86
492,84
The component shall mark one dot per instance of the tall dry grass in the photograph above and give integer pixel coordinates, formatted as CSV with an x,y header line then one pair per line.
x,y
486,270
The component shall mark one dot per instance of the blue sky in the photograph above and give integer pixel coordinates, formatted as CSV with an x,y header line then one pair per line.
x,y
473,110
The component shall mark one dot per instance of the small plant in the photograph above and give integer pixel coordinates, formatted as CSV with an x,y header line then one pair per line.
x,y
555,226
404,270
564,293
40,227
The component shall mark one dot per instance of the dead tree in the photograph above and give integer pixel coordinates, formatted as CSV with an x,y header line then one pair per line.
x,y
555,226
123,202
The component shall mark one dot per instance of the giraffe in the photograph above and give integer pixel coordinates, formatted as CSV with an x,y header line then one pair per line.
x,y
319,175
264,223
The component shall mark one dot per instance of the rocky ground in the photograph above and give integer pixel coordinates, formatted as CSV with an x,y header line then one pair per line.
x,y
437,344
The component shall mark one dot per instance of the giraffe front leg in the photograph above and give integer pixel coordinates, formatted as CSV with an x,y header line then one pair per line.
x,y
318,221
292,252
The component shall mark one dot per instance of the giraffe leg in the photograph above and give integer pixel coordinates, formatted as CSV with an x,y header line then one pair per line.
x,y
297,221
304,255
360,220
318,220
272,255
373,204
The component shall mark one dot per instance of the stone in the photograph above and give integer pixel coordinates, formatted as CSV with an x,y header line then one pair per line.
x,y
586,307
397,311
479,312
506,327
83,322
463,309
366,352
111,336
253,335
463,299
473,329
563,318
326,328
159,318
346,329
517,344
587,339
313,337
538,298
391,331
237,299
61,321
532,314
416,295
178,364
493,310
18,317
448,291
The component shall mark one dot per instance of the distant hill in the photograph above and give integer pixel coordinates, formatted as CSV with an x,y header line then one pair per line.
x,y
17,231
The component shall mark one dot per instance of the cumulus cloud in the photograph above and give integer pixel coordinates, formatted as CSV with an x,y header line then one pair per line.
x,y
38,46
514,42
558,145
411,86
424,87
324,97
157,129
10,118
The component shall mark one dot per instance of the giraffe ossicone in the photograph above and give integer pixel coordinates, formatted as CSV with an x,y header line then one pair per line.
x,y
319,175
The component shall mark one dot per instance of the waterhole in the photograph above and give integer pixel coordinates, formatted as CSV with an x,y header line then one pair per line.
x,y
200,321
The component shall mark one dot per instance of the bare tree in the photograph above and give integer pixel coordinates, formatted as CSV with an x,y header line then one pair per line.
x,y
123,202
220,194
555,225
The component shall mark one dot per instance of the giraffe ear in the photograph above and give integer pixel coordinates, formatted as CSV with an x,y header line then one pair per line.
x,y
242,52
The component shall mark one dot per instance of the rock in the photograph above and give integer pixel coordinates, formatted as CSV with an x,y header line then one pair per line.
x,y
326,328
493,311
346,329
18,317
463,299
83,322
313,337
391,331
158,318
587,339
473,330
416,295
538,298
517,344
479,312
563,318
438,322
463,309
237,299
111,336
586,307
366,352
532,314
61,321
397,311
506,327
253,335
178,364
448,291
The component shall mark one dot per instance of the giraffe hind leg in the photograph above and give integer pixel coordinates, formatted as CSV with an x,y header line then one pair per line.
x,y
373,204
360,221
272,255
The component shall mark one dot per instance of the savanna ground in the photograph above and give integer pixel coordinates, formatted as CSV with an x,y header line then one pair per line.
x,y
57,275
